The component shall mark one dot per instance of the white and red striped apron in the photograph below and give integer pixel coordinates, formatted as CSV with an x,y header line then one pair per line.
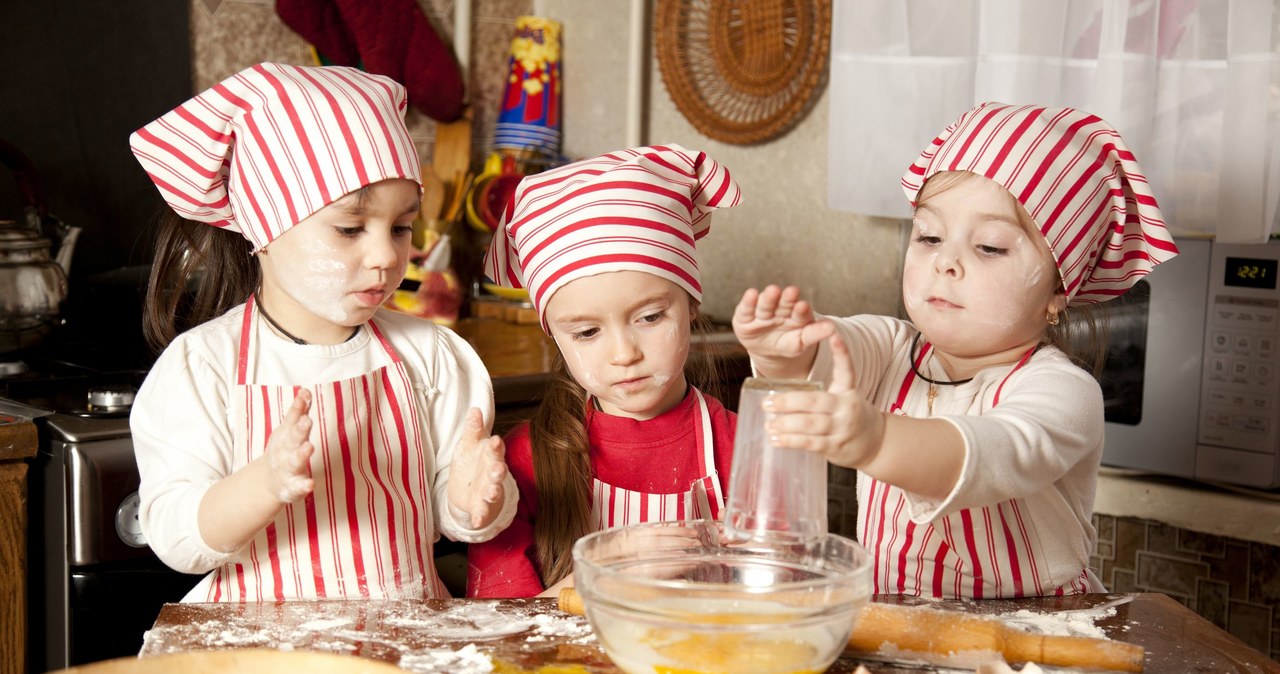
x,y
976,552
614,506
365,530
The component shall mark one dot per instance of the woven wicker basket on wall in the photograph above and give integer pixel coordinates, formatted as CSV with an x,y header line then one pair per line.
x,y
743,72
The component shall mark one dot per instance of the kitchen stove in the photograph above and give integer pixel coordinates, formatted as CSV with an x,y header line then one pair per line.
x,y
94,585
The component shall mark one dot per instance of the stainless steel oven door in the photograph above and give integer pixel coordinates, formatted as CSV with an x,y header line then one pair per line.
x,y
96,587
1157,345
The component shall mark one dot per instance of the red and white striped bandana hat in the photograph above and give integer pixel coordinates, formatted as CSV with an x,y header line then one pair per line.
x,y
274,143
641,209
1075,176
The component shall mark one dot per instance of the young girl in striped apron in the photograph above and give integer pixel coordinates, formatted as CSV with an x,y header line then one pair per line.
x,y
298,442
606,249
976,437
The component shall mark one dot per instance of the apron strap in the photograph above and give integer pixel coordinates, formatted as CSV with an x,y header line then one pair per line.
x,y
1025,357
909,379
707,461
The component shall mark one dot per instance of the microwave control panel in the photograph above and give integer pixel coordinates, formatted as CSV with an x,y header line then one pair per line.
x,y
1240,392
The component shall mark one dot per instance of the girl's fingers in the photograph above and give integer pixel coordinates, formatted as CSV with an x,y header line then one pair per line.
x,y
810,443
800,424
767,303
301,404
301,429
814,332
842,373
473,427
789,302
800,401
302,459
746,309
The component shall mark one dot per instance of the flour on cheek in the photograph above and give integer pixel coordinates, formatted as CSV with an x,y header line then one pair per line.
x,y
320,282
582,371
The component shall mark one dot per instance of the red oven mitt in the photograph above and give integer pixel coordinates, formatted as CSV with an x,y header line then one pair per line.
x,y
392,38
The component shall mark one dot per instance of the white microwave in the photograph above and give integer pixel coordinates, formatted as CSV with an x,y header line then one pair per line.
x,y
1192,381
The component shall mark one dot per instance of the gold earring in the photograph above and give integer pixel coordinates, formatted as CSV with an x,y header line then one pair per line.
x,y
1051,317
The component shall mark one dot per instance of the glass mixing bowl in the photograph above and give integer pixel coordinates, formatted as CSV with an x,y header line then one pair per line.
x,y
680,598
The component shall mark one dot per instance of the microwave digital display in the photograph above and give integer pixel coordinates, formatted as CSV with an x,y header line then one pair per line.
x,y
1246,272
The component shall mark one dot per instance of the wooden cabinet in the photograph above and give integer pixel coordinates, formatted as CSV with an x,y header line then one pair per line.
x,y
17,444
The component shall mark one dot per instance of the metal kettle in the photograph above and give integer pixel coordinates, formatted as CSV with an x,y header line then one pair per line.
x,y
33,270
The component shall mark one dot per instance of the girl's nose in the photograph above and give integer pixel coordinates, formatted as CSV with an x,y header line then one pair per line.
x,y
382,252
947,261
625,350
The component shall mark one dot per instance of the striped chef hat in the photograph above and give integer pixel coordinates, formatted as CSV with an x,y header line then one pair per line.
x,y
641,209
1076,178
274,143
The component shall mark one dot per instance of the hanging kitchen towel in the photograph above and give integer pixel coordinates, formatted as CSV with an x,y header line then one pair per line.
x,y
392,38
321,24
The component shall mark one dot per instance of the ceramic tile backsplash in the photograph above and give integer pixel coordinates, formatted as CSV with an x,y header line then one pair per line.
x,y
1233,584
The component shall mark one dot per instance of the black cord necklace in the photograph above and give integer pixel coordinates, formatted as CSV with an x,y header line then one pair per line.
x,y
933,383
916,342
285,333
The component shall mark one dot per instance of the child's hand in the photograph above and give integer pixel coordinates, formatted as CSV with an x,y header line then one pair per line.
x,y
288,453
778,329
838,423
477,473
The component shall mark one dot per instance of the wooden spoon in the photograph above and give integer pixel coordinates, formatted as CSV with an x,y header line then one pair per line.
x,y
452,153
432,196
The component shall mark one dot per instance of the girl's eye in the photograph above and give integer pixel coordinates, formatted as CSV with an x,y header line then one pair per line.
x,y
992,251
402,230
585,334
928,240
652,318
349,232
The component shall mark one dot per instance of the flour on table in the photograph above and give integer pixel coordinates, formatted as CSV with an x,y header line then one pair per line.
x,y
549,625
466,660
467,621
321,625
1078,623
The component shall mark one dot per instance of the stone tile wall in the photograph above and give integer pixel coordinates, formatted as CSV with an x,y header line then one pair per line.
x,y
1232,583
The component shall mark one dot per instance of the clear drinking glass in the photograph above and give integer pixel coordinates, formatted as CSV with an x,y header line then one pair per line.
x,y
776,494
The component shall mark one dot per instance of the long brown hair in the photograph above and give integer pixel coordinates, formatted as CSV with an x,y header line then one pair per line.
x,y
198,273
562,463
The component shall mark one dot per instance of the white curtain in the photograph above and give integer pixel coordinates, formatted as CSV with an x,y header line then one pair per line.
x,y
1192,85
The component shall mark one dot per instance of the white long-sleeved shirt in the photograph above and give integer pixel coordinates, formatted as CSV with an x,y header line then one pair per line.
x,y
182,419
1019,520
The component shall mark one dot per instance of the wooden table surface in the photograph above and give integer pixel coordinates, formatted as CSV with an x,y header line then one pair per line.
x,y
531,635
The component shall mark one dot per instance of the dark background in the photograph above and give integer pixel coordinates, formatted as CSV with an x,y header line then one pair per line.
x,y
76,78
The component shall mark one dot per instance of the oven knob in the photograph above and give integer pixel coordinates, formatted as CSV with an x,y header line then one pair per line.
x,y
127,525
110,399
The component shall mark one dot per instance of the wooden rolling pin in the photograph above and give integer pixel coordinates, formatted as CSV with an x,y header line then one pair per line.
x,y
925,632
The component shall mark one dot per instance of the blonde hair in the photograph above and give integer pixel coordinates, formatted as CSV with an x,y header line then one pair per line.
x,y
1080,334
